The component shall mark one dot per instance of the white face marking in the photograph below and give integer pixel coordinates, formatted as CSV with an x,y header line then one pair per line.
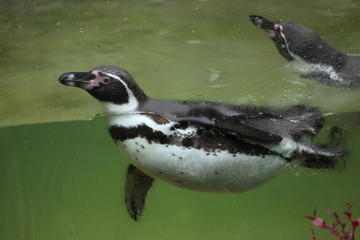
x,y
132,105
197,169
302,67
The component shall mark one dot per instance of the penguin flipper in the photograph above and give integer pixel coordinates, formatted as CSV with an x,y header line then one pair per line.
x,y
137,185
234,125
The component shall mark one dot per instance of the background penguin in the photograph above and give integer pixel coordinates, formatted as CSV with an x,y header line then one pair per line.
x,y
201,146
309,55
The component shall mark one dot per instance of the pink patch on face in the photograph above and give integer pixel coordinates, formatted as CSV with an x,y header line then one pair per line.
x,y
95,82
272,33
276,26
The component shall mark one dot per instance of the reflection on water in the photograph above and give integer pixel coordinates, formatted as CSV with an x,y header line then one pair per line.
x,y
64,180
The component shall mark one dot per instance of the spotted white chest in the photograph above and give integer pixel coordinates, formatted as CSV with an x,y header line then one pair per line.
x,y
307,69
194,168
200,170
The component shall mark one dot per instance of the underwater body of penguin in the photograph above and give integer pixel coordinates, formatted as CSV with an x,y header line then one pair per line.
x,y
201,146
309,55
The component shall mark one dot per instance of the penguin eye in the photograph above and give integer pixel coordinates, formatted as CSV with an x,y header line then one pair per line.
x,y
106,80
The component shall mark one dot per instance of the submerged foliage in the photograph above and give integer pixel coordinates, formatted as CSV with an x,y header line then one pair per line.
x,y
339,228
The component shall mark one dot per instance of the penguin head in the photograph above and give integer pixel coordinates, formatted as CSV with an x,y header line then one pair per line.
x,y
293,40
111,85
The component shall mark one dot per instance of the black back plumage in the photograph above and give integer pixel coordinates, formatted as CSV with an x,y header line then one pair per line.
x,y
266,124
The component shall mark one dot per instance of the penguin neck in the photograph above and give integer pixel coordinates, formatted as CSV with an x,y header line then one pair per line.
x,y
132,105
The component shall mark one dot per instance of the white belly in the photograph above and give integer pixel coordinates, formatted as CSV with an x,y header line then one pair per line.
x,y
199,170
308,69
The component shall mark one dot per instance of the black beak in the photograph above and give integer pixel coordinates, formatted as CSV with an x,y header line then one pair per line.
x,y
263,23
76,79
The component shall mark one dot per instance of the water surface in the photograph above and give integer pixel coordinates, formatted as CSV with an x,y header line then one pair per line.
x,y
174,49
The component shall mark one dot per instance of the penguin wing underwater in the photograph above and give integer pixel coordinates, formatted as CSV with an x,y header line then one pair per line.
x,y
137,185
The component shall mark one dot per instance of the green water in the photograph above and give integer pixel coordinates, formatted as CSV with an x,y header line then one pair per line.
x,y
65,181
61,178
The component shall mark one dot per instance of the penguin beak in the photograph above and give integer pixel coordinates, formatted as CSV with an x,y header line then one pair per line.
x,y
77,79
264,24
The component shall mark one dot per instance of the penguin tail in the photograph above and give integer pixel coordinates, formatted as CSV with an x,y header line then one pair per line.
x,y
321,157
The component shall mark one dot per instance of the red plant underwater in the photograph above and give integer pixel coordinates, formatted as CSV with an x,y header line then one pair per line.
x,y
342,234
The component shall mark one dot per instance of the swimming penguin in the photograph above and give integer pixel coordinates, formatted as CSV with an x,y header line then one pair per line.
x,y
309,55
201,146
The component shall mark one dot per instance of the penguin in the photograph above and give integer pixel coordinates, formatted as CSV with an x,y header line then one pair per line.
x,y
200,145
309,55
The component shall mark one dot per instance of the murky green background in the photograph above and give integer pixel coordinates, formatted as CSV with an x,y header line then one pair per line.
x,y
61,176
